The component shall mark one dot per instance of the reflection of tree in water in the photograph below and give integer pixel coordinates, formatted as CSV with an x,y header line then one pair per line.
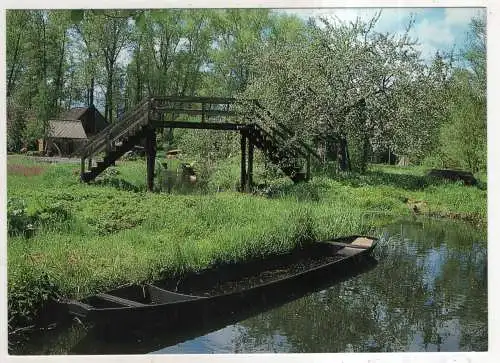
x,y
428,293
53,341
268,339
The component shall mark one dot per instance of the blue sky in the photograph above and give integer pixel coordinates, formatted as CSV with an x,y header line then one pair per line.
x,y
435,28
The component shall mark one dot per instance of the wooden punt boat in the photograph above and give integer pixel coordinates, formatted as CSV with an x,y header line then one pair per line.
x,y
223,289
146,338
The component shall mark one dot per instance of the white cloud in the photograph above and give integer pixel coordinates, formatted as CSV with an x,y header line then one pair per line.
x,y
395,19
433,36
428,51
434,33
446,32
461,16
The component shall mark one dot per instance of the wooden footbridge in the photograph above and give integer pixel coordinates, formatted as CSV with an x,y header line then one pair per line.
x,y
212,113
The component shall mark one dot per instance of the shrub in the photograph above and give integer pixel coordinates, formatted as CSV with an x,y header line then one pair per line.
x,y
52,215
29,290
18,220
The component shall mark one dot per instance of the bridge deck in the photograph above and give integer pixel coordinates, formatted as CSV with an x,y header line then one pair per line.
x,y
198,125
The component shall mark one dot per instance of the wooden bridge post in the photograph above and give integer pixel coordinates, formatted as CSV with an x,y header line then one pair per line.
x,y
250,164
150,158
243,160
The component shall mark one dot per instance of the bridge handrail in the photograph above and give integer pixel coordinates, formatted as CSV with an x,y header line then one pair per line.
x,y
114,130
286,130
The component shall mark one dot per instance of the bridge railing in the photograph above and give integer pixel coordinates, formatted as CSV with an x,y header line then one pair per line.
x,y
109,135
193,105
280,130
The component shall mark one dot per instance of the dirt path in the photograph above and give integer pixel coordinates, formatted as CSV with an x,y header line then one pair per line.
x,y
54,159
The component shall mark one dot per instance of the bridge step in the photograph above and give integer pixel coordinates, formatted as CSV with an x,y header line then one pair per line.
x,y
276,154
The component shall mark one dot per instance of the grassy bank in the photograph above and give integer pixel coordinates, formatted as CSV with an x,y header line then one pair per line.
x,y
74,239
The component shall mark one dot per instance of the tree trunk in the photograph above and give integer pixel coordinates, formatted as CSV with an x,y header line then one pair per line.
x,y
106,110
110,108
343,155
44,60
138,90
109,95
150,158
10,81
91,91
59,80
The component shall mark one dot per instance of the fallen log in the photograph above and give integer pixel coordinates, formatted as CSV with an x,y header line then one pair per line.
x,y
454,175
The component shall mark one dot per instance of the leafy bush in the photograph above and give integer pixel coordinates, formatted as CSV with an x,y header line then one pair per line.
x,y
116,214
16,127
29,290
18,220
34,130
463,140
358,152
436,161
118,183
110,172
53,214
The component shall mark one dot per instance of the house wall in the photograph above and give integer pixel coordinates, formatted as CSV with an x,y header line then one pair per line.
x,y
66,147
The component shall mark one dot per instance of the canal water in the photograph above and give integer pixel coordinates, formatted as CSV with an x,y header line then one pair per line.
x,y
427,292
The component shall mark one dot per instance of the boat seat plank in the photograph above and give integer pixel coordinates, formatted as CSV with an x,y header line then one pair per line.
x,y
349,245
120,301
362,241
349,251
78,308
159,295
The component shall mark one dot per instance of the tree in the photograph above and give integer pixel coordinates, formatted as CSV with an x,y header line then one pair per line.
x,y
341,86
463,136
36,67
344,81
113,39
87,40
239,34
17,21
475,54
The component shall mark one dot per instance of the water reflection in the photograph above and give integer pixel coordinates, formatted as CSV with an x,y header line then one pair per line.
x,y
231,339
428,292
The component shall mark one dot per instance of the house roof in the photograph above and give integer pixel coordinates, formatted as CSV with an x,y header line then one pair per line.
x,y
66,129
74,114
94,118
